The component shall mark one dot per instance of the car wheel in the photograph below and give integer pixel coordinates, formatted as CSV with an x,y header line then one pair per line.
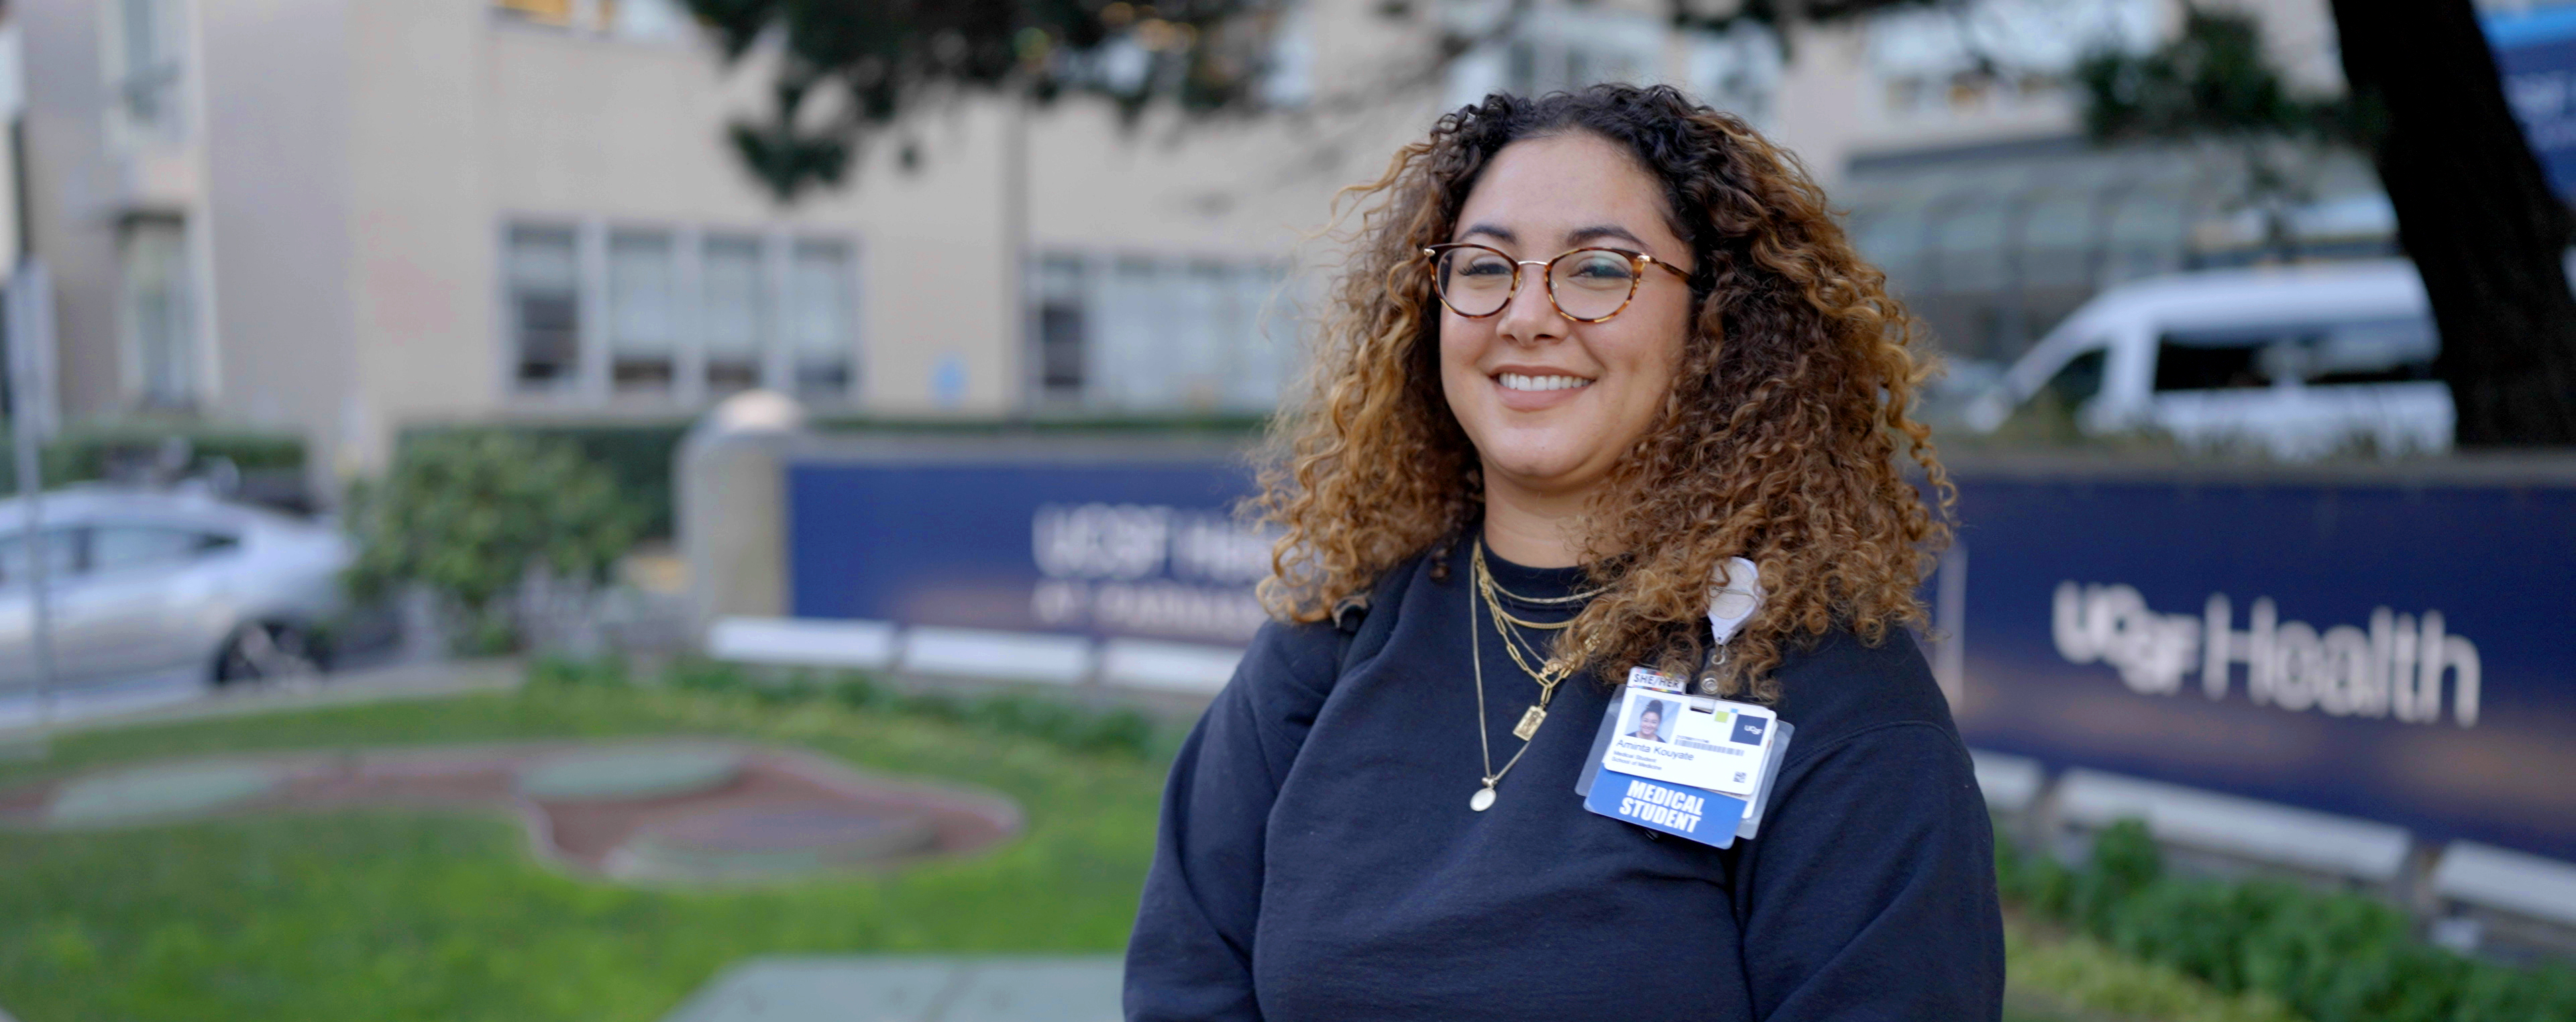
x,y
269,651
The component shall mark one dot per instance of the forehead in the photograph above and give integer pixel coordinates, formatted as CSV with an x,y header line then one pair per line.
x,y
1549,190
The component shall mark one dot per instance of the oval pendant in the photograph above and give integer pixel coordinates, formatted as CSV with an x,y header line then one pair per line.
x,y
1482,800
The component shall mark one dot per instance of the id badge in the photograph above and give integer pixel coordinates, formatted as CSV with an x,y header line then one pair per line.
x,y
1691,741
1660,803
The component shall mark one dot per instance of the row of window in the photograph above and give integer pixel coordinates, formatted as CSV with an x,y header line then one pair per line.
x,y
684,314
1140,333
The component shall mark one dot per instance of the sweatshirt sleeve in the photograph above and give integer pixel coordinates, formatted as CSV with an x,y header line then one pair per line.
x,y
1870,893
1191,954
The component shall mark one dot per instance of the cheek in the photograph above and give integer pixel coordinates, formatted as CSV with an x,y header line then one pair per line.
x,y
1653,353
1462,344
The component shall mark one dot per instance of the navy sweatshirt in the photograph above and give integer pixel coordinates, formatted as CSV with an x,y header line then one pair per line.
x,y
1318,861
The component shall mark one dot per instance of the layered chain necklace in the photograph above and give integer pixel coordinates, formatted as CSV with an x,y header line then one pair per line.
x,y
1523,653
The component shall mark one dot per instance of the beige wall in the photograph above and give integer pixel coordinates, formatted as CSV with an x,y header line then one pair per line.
x,y
277,158
72,198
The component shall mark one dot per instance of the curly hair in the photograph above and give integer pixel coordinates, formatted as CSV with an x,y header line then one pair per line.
x,y
1779,442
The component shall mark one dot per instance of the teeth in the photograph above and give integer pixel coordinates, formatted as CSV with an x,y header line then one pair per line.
x,y
1516,381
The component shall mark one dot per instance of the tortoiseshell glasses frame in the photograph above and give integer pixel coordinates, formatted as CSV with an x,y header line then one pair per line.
x,y
1592,290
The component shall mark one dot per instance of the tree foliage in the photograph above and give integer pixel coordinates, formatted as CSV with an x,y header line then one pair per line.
x,y
2213,84
2211,79
847,71
468,514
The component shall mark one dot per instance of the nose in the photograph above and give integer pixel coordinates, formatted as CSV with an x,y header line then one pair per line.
x,y
1530,318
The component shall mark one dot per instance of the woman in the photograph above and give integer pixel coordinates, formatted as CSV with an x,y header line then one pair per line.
x,y
1517,477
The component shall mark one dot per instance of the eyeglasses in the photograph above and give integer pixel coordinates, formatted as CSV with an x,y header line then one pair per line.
x,y
1587,285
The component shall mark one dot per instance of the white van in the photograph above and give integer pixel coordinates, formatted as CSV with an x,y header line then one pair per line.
x,y
2296,361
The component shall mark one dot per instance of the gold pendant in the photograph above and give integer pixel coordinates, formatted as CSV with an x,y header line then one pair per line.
x,y
1529,723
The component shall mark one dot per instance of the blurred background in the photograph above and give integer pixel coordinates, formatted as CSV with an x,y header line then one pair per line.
x,y
542,508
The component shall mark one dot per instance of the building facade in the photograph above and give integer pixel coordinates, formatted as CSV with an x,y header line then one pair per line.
x,y
342,218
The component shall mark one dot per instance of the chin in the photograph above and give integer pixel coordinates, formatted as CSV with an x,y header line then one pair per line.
x,y
1541,464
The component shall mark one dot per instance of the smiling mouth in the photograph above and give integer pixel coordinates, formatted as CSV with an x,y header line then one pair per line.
x,y
1517,381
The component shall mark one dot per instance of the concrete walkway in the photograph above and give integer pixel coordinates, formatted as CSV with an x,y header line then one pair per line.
x,y
160,700
905,988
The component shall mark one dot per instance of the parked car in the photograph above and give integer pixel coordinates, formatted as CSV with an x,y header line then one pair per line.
x,y
148,583
2299,362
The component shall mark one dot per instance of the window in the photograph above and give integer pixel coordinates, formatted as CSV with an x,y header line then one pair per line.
x,y
2377,351
117,547
545,307
62,556
1737,70
2211,363
1060,324
145,65
655,313
160,314
736,294
660,20
1940,64
1553,49
543,12
1138,333
643,335
2079,380
656,20
2394,350
820,311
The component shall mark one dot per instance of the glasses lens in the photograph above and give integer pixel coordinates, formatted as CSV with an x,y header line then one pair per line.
x,y
1590,284
1475,281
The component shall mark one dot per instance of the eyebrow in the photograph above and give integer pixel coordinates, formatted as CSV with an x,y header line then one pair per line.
x,y
1597,232
1576,238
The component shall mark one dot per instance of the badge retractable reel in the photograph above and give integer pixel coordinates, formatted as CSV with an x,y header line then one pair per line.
x,y
1693,766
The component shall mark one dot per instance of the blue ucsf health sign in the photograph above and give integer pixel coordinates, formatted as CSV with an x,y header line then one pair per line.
x,y
2395,652
1107,548
2536,55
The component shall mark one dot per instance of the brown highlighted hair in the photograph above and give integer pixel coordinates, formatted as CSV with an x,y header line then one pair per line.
x,y
1780,441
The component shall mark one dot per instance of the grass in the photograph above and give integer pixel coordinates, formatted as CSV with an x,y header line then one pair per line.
x,y
409,915
391,915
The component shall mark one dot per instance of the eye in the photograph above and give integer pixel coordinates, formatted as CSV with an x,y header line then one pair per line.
x,y
1481,264
1600,268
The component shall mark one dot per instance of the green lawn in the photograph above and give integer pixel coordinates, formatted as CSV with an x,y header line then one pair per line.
x,y
391,915
417,915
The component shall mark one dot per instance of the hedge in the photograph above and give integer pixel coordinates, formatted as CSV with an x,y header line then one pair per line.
x,y
640,455
2332,957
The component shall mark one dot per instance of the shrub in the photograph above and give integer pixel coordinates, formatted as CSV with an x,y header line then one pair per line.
x,y
468,515
2332,957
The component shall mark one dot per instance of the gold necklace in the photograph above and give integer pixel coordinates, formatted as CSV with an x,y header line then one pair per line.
x,y
1547,679
1512,642
1541,601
